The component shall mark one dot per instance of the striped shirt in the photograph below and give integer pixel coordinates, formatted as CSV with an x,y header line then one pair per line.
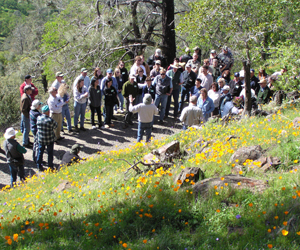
x,y
45,126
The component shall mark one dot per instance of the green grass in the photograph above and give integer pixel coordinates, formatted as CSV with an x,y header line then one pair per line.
x,y
104,209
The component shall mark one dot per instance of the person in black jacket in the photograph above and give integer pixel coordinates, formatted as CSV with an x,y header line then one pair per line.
x,y
95,103
149,88
157,56
254,82
110,99
189,78
123,71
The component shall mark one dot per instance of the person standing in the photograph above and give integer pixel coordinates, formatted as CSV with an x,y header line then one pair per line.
x,y
189,78
146,112
206,79
45,136
34,114
177,81
110,100
149,88
25,105
14,156
55,104
95,96
28,81
119,79
63,93
85,78
129,88
206,104
80,93
191,115
163,88
59,80
124,71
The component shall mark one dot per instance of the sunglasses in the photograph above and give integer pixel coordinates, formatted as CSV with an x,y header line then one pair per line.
x,y
162,74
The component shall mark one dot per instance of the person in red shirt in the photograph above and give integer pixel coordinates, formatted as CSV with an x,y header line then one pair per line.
x,y
28,81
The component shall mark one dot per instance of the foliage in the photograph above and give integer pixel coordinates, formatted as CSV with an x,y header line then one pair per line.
x,y
99,207
11,12
286,54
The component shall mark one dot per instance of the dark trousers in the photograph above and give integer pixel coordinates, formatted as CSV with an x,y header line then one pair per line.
x,y
41,153
128,116
175,94
14,170
98,110
109,110
185,94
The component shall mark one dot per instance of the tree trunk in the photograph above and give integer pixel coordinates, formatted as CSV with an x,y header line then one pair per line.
x,y
248,103
168,30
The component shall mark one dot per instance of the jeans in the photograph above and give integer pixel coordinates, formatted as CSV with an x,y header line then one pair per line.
x,y
185,93
138,99
162,100
26,129
121,98
79,109
14,171
66,113
175,94
41,149
109,113
141,128
98,110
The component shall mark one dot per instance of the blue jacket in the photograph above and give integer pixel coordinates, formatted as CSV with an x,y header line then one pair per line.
x,y
207,107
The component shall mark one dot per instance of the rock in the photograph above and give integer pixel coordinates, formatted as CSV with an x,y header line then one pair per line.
x,y
166,152
258,112
237,169
251,153
296,122
190,174
63,186
293,95
235,181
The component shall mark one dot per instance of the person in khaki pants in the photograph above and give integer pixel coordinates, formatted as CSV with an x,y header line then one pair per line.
x,y
55,104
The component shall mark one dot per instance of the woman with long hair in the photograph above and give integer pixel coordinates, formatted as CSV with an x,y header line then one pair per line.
x,y
95,103
141,80
110,100
81,94
206,104
123,71
215,95
118,76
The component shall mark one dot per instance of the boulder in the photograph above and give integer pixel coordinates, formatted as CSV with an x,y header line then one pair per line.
x,y
166,152
63,186
235,181
189,174
244,153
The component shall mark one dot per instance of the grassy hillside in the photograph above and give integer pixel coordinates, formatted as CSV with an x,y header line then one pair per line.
x,y
94,205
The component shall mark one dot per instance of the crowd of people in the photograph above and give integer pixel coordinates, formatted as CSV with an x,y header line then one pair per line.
x,y
148,89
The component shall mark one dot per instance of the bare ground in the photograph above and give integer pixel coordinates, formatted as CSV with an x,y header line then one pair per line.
x,y
93,141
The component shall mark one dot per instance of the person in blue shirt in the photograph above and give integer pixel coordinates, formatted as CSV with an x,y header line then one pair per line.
x,y
195,90
206,104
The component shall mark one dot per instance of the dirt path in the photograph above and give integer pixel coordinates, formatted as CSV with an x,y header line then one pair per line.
x,y
93,141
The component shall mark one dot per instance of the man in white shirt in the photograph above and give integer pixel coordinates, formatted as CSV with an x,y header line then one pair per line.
x,y
191,115
55,104
138,63
206,78
146,112
59,80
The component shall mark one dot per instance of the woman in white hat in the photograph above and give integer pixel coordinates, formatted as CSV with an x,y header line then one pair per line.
x,y
14,155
